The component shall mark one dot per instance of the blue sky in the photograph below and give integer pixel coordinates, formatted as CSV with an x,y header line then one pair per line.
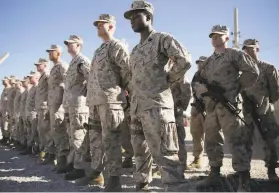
x,y
29,27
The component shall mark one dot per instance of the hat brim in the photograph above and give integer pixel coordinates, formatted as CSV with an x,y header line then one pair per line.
x,y
220,33
50,50
66,42
199,61
36,64
101,20
248,46
128,14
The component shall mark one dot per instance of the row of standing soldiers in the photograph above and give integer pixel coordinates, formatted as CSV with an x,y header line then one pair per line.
x,y
137,101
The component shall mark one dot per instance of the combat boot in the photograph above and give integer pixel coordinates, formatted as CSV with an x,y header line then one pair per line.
x,y
75,174
28,151
156,172
213,179
127,163
244,181
272,176
65,168
4,141
196,164
93,178
113,185
49,159
142,187
61,162
23,147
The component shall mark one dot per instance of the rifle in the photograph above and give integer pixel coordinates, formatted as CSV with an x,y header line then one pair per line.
x,y
215,92
199,105
254,115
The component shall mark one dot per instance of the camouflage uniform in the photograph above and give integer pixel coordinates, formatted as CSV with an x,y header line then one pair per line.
x,y
55,99
42,111
4,112
75,102
153,126
109,75
23,133
224,69
10,107
17,123
197,121
181,92
31,116
259,93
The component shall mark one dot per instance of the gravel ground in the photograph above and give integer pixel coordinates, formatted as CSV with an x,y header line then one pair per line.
x,y
23,174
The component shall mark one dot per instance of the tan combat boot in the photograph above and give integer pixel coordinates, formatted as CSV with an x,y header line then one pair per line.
x,y
113,185
92,178
214,178
272,176
196,164
244,181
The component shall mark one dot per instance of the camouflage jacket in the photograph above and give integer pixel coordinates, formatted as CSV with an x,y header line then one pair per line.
x,y
30,100
4,100
17,102
10,103
150,82
224,69
42,92
23,102
56,84
75,82
182,93
109,74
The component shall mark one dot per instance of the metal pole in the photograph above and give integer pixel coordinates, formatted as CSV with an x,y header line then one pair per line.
x,y
236,32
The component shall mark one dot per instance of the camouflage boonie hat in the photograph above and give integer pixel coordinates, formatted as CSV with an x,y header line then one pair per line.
x,y
41,61
219,29
250,43
105,18
73,39
17,81
5,78
12,79
201,59
32,73
139,5
55,47
25,78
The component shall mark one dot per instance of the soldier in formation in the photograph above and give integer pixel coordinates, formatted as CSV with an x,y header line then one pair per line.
x,y
197,120
258,105
137,101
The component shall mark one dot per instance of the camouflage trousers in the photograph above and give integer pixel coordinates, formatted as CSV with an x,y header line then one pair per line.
x,y
181,134
31,127
23,132
154,136
19,127
44,130
4,125
268,122
58,132
104,135
78,137
235,134
126,139
197,132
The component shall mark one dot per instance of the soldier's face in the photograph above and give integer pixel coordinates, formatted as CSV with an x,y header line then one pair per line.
x,y
6,82
199,64
18,86
25,84
33,80
103,29
53,55
138,21
72,48
252,51
218,40
41,67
